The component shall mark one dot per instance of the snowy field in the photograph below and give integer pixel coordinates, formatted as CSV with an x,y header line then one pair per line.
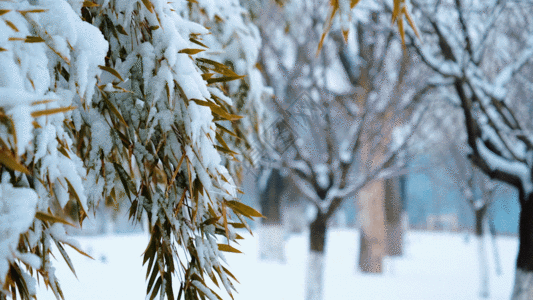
x,y
434,266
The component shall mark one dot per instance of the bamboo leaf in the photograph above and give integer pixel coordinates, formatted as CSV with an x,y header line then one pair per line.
x,y
156,288
396,10
190,51
10,162
79,250
31,11
217,67
197,42
244,209
47,112
229,273
222,113
401,29
88,3
112,71
227,248
224,129
121,29
4,11
148,5
11,25
411,23
353,3
114,110
34,39
74,193
224,79
2,49
65,257
51,218
237,225
125,179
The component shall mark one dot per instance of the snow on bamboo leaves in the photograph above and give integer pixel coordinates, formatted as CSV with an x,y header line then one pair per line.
x,y
116,101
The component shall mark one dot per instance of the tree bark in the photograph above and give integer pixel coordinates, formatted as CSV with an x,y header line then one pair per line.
x,y
372,223
482,254
270,198
272,232
393,217
315,260
523,287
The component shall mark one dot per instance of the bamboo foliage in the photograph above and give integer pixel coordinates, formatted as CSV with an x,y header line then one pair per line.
x,y
148,121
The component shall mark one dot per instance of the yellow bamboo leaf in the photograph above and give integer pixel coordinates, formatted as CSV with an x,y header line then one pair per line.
x,y
4,11
206,76
190,51
34,39
411,23
197,42
10,162
112,71
243,209
2,49
224,79
227,248
148,5
79,250
52,111
353,3
401,29
327,25
74,193
396,10
345,35
30,11
11,25
216,67
88,3
51,218
114,110
121,29
42,102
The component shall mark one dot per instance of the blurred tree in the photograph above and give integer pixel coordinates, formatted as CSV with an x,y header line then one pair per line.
x,y
342,117
481,52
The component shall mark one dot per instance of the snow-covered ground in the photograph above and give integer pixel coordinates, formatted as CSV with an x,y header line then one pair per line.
x,y
434,266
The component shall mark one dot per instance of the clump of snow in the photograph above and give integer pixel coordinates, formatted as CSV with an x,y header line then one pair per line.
x,y
17,210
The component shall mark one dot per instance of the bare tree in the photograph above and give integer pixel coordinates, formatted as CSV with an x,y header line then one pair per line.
x,y
343,118
463,46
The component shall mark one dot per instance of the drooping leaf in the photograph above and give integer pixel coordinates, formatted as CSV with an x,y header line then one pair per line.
x,y
11,162
51,111
190,51
88,3
244,209
112,71
227,248
51,218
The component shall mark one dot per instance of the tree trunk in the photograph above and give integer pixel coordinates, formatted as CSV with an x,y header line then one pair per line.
x,y
315,260
372,223
271,233
393,217
482,254
523,286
